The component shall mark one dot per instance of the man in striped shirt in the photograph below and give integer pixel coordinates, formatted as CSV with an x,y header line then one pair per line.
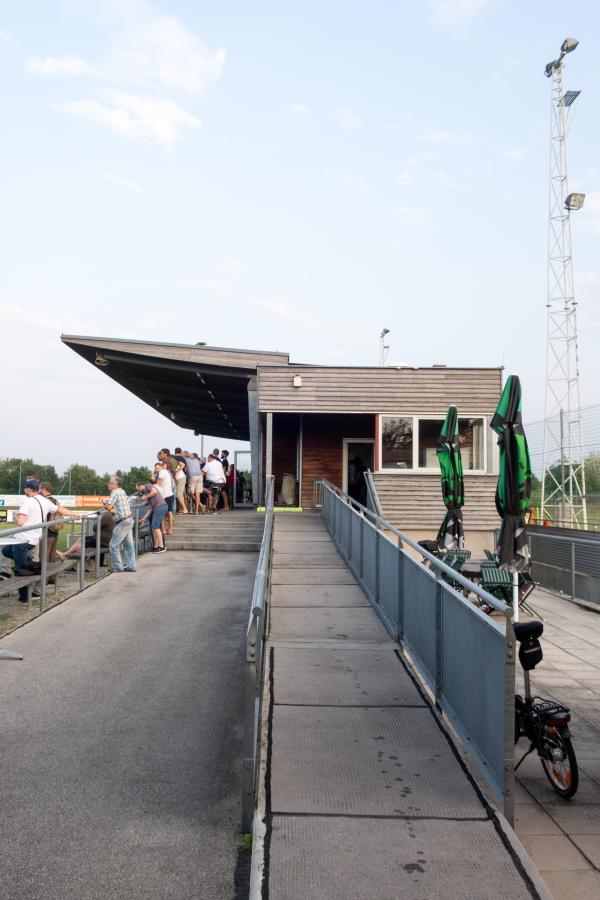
x,y
122,535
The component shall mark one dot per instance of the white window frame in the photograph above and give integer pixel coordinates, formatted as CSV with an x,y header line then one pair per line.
x,y
415,444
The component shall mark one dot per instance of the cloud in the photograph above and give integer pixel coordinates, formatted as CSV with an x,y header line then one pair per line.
x,y
232,264
455,13
125,182
514,153
298,109
148,56
50,66
347,117
356,182
405,178
4,36
163,49
134,116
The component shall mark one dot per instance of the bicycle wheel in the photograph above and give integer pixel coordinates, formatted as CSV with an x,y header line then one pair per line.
x,y
561,770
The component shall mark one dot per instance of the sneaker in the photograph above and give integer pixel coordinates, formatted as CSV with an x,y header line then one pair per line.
x,y
36,594
128,570
5,575
161,550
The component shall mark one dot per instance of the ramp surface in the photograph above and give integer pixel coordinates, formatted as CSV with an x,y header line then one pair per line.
x,y
122,736
366,795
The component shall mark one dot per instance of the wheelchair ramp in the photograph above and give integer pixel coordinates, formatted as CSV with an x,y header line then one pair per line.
x,y
366,795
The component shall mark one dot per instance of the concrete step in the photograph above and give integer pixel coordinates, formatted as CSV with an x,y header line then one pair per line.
x,y
236,546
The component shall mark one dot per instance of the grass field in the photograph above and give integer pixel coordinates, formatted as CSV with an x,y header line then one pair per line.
x,y
63,535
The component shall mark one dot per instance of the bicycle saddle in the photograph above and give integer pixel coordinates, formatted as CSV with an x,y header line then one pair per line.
x,y
526,630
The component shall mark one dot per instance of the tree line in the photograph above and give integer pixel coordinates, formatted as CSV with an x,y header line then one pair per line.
x,y
77,479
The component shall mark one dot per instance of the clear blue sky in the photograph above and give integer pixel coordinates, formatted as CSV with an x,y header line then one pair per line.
x,y
280,176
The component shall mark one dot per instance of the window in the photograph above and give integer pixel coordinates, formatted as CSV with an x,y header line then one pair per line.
x,y
408,442
397,442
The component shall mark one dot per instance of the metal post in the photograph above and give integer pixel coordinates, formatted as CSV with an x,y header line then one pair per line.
x,y
44,569
97,564
269,447
573,585
361,561
562,469
400,615
82,554
377,538
509,724
136,529
515,597
439,649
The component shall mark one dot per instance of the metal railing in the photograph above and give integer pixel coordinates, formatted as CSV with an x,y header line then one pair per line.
x,y
255,642
85,521
466,658
570,563
373,502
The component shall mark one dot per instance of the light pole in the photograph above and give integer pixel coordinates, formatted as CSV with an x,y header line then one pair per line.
x,y
383,347
563,477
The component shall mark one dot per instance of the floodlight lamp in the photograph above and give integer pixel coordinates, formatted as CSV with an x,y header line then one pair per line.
x,y
101,360
574,201
550,68
568,45
384,332
201,344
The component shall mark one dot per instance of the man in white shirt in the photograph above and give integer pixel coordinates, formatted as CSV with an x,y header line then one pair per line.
x,y
164,482
34,510
214,476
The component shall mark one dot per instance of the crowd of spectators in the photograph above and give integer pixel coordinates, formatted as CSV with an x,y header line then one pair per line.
x,y
182,483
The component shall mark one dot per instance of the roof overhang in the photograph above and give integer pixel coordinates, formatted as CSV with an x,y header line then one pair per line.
x,y
195,386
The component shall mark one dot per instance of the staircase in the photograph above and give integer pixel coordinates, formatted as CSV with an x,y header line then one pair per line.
x,y
237,531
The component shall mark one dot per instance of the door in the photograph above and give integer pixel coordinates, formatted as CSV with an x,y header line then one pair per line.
x,y
358,456
242,478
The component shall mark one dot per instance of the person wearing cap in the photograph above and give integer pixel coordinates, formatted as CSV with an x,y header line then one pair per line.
x,y
34,510
122,535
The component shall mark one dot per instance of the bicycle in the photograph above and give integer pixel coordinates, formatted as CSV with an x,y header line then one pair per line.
x,y
544,722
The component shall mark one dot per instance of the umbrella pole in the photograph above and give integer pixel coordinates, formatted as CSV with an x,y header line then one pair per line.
x,y
515,576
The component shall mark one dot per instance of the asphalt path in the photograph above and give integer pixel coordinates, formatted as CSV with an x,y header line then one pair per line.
x,y
121,736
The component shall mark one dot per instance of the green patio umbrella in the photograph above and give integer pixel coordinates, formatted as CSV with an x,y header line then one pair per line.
x,y
451,535
513,493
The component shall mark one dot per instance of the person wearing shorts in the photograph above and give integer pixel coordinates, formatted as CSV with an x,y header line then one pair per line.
x,y
180,488
195,483
157,510
164,482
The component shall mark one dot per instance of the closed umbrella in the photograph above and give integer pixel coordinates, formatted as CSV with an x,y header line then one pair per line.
x,y
451,533
513,493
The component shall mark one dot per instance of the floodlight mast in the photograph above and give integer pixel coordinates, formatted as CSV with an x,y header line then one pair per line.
x,y
383,347
563,476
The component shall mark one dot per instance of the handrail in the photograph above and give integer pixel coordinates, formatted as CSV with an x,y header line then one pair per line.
x,y
259,593
372,492
383,525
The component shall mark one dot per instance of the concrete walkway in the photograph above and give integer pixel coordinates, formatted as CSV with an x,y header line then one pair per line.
x,y
121,736
563,838
366,797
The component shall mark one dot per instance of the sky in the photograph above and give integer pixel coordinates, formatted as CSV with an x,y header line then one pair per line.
x,y
280,176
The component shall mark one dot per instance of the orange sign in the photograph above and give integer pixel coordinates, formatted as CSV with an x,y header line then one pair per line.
x,y
88,501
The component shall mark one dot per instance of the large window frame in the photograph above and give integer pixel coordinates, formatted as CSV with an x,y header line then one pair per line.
x,y
435,470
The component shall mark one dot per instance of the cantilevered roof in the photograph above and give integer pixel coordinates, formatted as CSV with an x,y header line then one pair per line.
x,y
198,387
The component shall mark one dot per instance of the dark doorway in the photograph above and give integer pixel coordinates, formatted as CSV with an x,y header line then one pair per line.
x,y
358,457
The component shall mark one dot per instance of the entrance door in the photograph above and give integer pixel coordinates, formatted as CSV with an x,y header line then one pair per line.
x,y
242,488
358,456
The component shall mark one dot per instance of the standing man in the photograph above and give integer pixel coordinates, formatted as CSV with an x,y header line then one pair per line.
x,y
227,496
157,510
122,536
195,480
214,477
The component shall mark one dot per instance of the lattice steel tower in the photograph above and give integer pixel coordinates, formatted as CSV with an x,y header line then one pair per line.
x,y
563,479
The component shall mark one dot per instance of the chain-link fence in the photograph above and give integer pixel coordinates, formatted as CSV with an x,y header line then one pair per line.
x,y
558,454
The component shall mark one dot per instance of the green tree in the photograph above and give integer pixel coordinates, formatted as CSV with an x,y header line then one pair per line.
x,y
135,474
82,480
10,467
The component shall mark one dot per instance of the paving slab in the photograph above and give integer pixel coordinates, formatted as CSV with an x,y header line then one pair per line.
x,y
316,536
342,595
319,575
388,762
323,677
331,623
418,860
309,559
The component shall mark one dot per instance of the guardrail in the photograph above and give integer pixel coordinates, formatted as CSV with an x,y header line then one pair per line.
x,y
568,563
464,656
256,631
373,502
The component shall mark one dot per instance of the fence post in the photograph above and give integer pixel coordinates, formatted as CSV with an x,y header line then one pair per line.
x,y
97,564
82,553
509,724
361,561
573,585
439,648
400,613
136,529
44,568
377,557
